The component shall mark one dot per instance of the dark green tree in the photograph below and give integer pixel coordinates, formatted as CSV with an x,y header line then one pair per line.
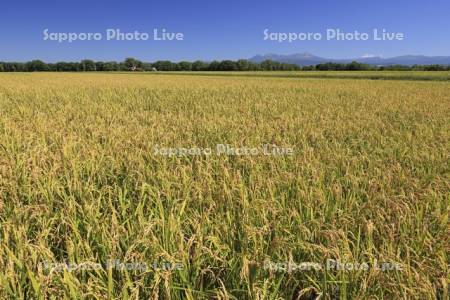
x,y
36,66
200,66
184,66
132,64
87,65
228,65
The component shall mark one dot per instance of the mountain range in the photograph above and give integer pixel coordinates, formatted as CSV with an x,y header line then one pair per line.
x,y
307,59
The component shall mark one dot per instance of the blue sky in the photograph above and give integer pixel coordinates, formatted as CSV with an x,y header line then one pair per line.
x,y
219,29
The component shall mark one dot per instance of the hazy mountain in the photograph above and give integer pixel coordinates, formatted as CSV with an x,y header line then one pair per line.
x,y
306,59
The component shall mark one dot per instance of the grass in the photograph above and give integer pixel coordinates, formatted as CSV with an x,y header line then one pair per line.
x,y
80,183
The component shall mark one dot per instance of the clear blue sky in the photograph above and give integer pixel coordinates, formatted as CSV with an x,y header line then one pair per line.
x,y
219,29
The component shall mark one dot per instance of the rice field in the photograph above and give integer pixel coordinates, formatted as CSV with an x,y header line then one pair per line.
x,y
97,201
372,75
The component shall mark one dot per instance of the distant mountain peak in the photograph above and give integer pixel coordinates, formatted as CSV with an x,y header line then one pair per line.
x,y
307,54
307,59
371,56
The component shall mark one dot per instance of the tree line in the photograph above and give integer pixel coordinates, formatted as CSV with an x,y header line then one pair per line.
x,y
131,64
355,66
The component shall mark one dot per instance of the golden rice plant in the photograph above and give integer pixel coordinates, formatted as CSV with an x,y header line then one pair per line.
x,y
81,186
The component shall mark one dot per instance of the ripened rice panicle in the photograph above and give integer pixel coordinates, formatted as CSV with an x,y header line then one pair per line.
x,y
81,186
